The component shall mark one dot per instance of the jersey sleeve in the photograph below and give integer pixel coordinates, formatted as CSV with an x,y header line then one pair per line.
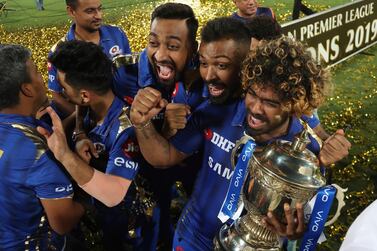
x,y
119,163
189,139
48,179
53,84
313,121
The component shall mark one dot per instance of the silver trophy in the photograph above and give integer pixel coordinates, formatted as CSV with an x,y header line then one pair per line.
x,y
284,172
126,59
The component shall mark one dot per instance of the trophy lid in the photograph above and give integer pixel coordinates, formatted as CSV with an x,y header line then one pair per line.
x,y
292,162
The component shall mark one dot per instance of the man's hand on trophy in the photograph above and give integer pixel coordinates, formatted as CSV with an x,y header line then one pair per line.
x,y
293,226
335,148
147,104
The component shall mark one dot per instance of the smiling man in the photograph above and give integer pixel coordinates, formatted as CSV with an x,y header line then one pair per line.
x,y
220,121
246,9
87,26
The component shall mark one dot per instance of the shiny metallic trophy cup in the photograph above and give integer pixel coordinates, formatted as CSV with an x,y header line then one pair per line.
x,y
284,172
126,59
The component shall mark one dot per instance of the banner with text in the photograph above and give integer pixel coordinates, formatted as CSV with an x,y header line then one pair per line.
x,y
338,33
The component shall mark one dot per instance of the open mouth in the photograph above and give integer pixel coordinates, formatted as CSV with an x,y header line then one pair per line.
x,y
216,89
254,122
165,72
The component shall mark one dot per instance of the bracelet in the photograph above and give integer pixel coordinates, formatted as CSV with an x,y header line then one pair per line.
x,y
75,135
143,126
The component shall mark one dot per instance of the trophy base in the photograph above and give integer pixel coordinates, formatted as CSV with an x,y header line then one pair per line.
x,y
233,238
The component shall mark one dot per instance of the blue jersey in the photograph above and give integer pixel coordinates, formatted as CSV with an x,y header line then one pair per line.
x,y
113,42
260,11
216,128
28,173
109,138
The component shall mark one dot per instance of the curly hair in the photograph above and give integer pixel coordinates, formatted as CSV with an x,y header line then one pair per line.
x,y
288,68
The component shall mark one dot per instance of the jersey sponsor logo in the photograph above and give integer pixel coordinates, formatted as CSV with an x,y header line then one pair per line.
x,y
218,140
128,99
208,134
218,168
175,92
49,66
60,189
51,77
121,162
1,153
115,50
131,148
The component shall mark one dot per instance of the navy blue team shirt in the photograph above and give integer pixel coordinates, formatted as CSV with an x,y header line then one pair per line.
x,y
28,173
216,128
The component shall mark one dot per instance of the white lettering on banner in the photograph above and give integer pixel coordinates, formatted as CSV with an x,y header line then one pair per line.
x,y
361,12
218,168
325,53
63,188
308,244
222,142
238,178
231,202
248,152
325,197
128,164
321,26
318,218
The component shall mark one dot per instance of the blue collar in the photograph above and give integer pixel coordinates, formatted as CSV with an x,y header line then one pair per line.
x,y
103,33
21,119
240,115
112,114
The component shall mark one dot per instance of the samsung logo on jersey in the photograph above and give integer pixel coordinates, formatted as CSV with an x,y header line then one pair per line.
x,y
64,189
125,163
222,142
221,170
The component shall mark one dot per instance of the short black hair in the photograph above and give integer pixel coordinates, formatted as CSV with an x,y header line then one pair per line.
x,y
71,3
178,11
264,27
225,28
13,73
85,65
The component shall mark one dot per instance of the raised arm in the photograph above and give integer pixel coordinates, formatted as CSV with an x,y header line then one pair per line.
x,y
109,189
155,148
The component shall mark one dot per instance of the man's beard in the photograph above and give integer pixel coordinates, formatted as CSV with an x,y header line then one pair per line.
x,y
169,83
268,128
227,93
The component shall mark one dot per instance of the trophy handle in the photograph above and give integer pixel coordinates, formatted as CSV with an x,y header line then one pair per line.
x,y
238,148
340,197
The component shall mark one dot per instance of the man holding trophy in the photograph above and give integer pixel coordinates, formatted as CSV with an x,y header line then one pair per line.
x,y
282,85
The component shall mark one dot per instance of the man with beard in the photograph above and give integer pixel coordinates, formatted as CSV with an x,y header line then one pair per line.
x,y
85,76
220,121
168,64
32,184
250,8
87,26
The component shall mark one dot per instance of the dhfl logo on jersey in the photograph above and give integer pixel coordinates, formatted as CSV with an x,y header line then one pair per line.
x,y
218,140
208,134
175,90
131,148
